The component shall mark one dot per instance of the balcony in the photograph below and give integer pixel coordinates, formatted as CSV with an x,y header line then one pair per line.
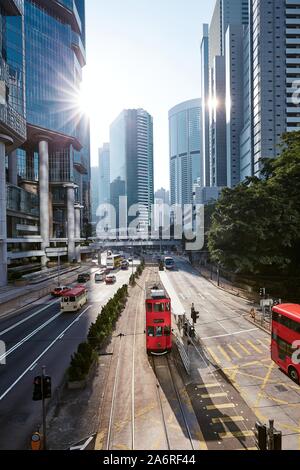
x,y
13,7
66,10
81,164
12,123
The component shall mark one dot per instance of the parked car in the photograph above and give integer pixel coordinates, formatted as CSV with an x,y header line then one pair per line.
x,y
100,277
110,279
83,278
59,291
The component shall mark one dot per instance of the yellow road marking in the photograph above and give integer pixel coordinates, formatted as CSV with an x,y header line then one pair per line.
x,y
215,358
228,419
224,406
244,349
214,395
208,386
264,384
234,351
224,353
254,347
229,435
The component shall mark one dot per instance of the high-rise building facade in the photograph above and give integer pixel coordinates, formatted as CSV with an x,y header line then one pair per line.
x,y
185,132
204,52
131,166
12,111
104,174
48,178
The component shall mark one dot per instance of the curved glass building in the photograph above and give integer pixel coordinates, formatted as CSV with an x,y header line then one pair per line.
x,y
185,131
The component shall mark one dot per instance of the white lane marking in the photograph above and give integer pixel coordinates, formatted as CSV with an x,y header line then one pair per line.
x,y
33,367
15,325
40,356
182,296
231,334
28,337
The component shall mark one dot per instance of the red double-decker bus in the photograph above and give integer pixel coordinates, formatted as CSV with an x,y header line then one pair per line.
x,y
158,320
285,334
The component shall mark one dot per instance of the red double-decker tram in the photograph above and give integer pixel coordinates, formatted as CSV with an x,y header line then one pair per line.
x,y
158,320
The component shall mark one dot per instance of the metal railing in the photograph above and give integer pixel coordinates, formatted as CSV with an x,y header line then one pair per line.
x,y
13,120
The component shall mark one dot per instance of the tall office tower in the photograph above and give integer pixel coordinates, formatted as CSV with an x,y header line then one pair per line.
x,y
104,175
275,67
163,195
94,194
246,136
54,162
204,52
226,12
131,166
234,101
12,112
185,131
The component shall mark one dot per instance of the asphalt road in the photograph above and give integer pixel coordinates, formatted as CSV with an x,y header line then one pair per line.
x,y
235,356
41,336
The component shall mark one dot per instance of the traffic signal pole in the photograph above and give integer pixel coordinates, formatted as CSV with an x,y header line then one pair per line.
x,y
44,409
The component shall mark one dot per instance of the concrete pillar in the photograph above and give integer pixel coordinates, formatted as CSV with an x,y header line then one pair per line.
x,y
78,231
13,168
3,207
44,197
71,221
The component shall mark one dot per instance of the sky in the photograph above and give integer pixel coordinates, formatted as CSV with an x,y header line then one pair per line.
x,y
142,54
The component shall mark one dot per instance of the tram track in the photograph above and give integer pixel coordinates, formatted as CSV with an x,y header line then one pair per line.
x,y
170,379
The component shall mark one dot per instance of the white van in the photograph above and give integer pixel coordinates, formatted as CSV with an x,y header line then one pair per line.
x,y
100,277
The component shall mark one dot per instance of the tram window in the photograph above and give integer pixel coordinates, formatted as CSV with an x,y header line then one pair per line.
x,y
168,307
167,331
159,331
159,308
151,331
72,299
66,299
149,307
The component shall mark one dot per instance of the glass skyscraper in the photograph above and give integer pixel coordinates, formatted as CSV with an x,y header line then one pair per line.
x,y
185,131
131,164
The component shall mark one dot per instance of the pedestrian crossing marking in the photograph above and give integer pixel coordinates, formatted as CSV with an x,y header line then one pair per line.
x,y
213,355
234,351
214,395
254,346
224,353
229,435
228,419
224,406
244,349
263,345
208,386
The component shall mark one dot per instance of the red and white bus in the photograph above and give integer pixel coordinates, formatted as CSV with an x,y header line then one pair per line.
x,y
285,335
74,299
158,320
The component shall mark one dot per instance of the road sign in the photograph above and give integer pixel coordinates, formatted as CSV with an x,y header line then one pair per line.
x,y
36,441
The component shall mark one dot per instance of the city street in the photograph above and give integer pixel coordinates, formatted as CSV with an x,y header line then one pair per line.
x,y
39,336
234,349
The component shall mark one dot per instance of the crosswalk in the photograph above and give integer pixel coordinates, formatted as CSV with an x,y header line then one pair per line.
x,y
231,352
227,420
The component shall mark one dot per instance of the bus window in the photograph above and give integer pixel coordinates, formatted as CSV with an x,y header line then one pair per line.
x,y
149,307
168,307
66,299
151,331
159,331
167,331
159,307
72,299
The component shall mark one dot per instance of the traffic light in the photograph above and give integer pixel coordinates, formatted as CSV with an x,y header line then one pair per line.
x,y
194,315
37,389
260,436
47,387
262,292
277,440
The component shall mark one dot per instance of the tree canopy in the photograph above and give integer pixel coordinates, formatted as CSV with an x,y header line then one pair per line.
x,y
256,226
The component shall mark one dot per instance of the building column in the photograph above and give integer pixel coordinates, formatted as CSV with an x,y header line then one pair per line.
x,y
71,221
44,197
13,168
78,230
3,208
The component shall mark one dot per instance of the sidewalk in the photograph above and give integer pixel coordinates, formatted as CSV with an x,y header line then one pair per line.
x,y
13,298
